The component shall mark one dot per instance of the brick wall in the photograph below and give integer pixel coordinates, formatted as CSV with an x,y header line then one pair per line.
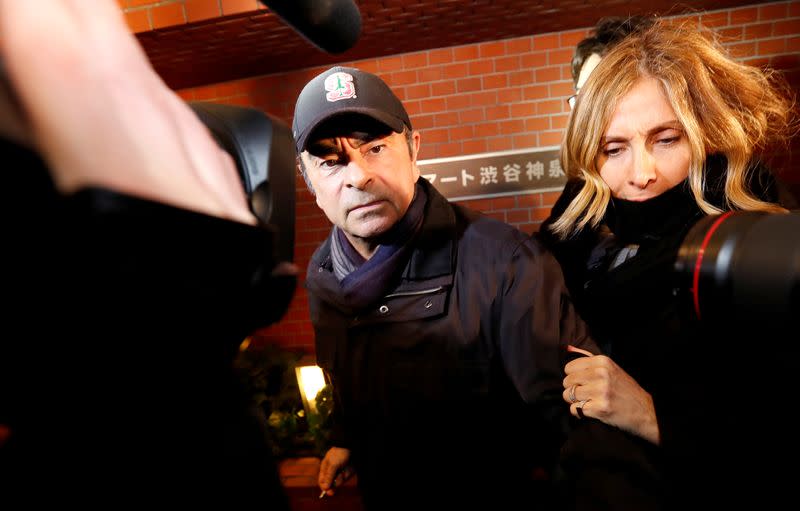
x,y
143,15
493,96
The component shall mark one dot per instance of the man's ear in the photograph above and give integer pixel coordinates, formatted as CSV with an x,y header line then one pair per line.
x,y
415,141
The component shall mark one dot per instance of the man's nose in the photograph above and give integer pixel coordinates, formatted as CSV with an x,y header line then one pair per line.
x,y
357,172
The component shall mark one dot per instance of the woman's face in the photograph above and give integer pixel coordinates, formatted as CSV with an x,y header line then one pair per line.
x,y
644,151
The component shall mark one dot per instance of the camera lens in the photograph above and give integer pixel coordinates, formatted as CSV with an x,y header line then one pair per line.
x,y
742,269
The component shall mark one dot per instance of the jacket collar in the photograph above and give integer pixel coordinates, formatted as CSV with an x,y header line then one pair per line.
x,y
431,261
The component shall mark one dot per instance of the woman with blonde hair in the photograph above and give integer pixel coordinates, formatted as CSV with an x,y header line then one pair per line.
x,y
668,128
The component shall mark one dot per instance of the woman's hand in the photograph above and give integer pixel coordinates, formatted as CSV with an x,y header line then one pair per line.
x,y
595,386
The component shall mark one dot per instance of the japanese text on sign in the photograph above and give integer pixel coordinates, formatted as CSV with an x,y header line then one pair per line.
x,y
493,174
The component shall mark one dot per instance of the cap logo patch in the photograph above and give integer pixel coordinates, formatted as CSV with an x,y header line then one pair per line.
x,y
339,86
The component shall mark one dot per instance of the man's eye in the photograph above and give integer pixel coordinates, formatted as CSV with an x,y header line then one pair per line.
x,y
329,163
377,148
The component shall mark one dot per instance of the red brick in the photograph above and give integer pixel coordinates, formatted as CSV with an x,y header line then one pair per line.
x,y
523,77
167,15
423,122
758,31
499,144
404,78
429,74
474,146
540,213
536,92
537,123
714,19
390,64
458,102
550,107
550,138
742,50
198,10
481,67
138,21
463,53
560,56
449,150
443,88
471,115
549,198
461,132
493,49
732,34
512,126
495,81
446,119
521,45
786,27
485,98
744,15
238,6
509,95
771,46
454,71
437,135
570,39
525,140
468,85
772,12
548,74
442,56
511,63
433,105
545,42
498,112
415,60
418,91
534,60
503,203
527,200
559,122
522,109
518,216
489,129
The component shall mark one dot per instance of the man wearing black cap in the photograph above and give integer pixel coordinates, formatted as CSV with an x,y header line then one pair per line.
x,y
443,331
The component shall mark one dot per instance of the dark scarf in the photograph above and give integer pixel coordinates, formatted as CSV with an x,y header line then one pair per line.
x,y
642,221
629,224
364,281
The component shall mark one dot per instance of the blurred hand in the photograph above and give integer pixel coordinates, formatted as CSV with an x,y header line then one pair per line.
x,y
334,469
99,115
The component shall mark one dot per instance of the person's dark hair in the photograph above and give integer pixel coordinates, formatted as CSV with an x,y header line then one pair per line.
x,y
604,36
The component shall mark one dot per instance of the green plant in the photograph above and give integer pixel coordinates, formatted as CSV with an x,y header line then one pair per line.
x,y
267,375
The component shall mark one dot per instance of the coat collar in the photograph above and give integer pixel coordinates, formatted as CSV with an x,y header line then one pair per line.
x,y
431,262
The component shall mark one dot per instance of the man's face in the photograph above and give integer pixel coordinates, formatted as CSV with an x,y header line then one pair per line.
x,y
586,69
363,182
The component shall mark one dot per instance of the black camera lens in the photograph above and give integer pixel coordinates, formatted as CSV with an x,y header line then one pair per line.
x,y
742,269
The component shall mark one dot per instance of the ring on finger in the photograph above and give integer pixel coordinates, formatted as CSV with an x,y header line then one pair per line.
x,y
572,397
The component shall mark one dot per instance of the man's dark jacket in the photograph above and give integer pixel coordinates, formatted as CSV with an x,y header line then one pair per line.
x,y
448,388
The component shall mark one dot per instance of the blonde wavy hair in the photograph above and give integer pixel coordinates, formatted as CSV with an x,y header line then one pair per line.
x,y
724,107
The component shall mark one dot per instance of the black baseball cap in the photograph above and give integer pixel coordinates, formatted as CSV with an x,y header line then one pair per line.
x,y
345,90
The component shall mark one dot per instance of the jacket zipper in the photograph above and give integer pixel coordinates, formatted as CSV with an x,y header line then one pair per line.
x,y
415,293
